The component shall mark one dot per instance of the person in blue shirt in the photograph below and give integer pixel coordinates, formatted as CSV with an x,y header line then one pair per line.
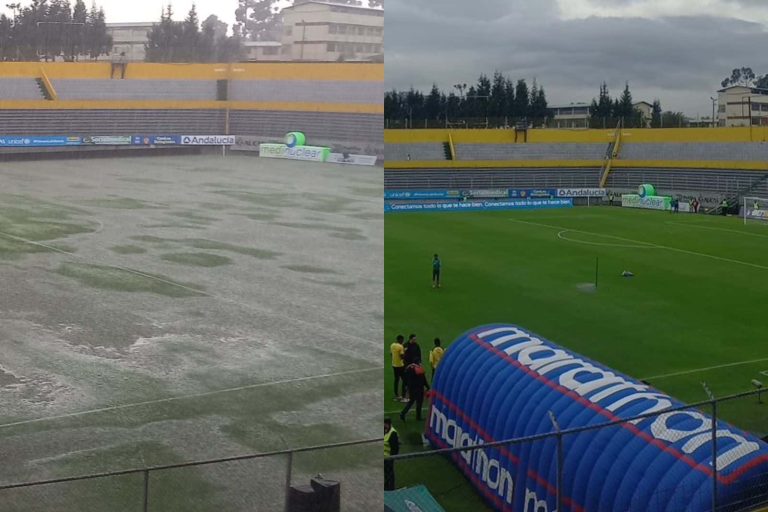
x,y
436,272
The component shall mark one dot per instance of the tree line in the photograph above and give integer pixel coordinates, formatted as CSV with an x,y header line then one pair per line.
x,y
495,101
48,29
191,41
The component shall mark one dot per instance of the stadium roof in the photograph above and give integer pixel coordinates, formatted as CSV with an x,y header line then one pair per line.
x,y
333,4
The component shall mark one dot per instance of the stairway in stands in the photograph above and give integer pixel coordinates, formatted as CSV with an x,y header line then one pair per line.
x,y
43,90
447,150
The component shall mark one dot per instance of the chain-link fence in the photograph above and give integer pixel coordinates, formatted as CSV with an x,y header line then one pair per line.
x,y
576,469
249,483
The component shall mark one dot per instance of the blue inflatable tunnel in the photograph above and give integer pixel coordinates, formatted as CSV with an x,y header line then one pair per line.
x,y
500,381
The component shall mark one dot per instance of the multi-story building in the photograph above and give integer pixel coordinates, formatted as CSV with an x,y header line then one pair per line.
x,y
129,38
574,115
741,106
321,31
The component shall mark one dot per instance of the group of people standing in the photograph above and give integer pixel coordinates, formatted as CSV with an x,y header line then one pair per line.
x,y
410,379
410,388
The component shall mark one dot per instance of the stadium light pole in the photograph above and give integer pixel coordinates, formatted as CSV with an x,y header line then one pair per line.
x,y
714,101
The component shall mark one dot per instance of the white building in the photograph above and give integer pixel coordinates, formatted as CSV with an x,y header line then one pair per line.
x,y
262,50
741,106
573,115
576,115
321,31
130,38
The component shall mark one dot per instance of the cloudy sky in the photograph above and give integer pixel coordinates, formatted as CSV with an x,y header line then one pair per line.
x,y
674,50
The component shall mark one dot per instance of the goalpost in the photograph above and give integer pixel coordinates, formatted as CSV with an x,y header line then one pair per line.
x,y
755,208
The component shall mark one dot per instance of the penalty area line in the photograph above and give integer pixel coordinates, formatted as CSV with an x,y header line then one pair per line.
x,y
187,397
649,244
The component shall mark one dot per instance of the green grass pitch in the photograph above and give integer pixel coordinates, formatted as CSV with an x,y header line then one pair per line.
x,y
696,301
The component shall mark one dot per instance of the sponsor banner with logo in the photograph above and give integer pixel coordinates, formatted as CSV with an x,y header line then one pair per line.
x,y
470,206
109,140
706,200
156,140
421,194
346,158
581,192
247,143
532,192
757,214
39,141
648,202
486,193
310,153
207,140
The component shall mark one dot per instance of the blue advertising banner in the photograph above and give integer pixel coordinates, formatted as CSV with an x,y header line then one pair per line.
x,y
498,193
475,206
38,141
532,192
757,214
156,140
421,194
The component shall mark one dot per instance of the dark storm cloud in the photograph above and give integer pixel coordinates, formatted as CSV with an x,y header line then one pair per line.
x,y
680,60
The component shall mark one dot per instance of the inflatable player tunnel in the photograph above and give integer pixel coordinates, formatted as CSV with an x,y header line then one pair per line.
x,y
500,381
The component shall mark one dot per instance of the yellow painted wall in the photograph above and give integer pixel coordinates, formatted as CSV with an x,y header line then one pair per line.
x,y
569,164
629,136
373,72
347,108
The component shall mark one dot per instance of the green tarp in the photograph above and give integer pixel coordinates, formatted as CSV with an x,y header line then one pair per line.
x,y
412,499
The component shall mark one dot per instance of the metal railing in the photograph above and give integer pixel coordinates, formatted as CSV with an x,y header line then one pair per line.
x,y
709,501
371,460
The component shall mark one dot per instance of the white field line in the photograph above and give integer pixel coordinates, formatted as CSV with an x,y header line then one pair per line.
x,y
747,233
658,246
561,236
265,311
187,397
697,370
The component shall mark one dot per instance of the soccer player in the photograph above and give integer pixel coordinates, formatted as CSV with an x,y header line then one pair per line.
x,y
435,355
436,271
397,350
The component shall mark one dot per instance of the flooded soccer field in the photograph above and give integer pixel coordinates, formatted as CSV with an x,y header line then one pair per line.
x,y
167,309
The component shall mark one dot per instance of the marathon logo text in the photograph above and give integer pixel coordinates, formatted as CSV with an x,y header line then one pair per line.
x,y
614,393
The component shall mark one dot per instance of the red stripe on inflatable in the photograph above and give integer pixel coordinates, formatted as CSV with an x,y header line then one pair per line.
x,y
612,417
551,489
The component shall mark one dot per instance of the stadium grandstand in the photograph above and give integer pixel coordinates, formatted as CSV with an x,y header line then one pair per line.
x,y
727,162
338,105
